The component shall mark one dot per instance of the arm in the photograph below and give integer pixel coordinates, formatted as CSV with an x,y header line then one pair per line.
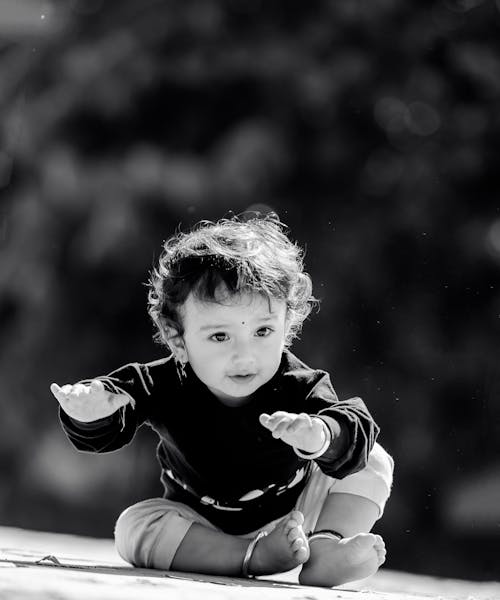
x,y
103,414
346,425
354,433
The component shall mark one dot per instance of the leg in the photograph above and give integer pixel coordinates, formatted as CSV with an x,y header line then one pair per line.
x,y
206,551
163,534
357,556
351,507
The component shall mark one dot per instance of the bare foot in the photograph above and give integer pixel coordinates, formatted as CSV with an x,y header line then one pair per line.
x,y
336,562
283,549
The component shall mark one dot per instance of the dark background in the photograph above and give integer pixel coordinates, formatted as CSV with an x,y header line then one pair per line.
x,y
371,127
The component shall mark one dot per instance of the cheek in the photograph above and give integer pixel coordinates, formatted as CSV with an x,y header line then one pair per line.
x,y
204,356
204,364
276,342
270,352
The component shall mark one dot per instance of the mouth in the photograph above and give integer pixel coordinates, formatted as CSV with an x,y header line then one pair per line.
x,y
242,377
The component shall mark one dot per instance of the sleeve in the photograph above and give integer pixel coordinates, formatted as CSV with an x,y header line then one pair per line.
x,y
352,429
117,430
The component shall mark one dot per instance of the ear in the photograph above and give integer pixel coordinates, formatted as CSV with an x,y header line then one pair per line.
x,y
177,347
288,325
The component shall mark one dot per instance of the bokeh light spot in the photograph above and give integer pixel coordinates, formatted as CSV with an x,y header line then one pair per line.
x,y
424,119
6,164
493,239
391,114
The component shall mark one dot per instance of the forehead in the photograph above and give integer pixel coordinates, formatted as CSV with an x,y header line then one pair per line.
x,y
232,308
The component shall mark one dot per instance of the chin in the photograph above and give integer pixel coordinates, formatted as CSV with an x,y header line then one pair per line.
x,y
234,396
234,401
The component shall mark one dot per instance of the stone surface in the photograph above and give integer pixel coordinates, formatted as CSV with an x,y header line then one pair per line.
x,y
46,566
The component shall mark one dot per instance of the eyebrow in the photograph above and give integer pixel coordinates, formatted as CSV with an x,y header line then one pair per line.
x,y
260,321
206,327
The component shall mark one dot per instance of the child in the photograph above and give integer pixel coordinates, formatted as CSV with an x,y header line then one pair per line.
x,y
254,445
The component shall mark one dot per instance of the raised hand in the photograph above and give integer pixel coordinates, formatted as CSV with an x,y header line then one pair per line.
x,y
299,430
88,403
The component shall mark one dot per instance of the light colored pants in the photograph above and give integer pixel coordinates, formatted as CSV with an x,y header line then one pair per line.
x,y
147,534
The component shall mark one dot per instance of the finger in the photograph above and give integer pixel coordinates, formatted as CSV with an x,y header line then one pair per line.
x,y
264,419
79,389
269,421
302,421
119,400
281,426
268,424
276,417
61,392
307,418
96,386
295,426
278,414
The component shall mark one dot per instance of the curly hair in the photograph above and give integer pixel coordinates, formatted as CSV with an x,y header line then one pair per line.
x,y
233,256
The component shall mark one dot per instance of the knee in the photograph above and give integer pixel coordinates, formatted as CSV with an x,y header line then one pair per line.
x,y
148,534
381,466
373,482
134,531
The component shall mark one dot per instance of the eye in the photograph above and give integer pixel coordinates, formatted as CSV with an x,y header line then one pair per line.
x,y
219,337
264,331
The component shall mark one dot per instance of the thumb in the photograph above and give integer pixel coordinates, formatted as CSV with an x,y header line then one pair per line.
x,y
56,391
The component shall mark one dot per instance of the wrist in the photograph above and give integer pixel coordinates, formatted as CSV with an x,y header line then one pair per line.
x,y
326,434
326,441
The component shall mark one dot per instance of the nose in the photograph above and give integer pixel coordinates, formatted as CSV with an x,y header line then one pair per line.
x,y
243,356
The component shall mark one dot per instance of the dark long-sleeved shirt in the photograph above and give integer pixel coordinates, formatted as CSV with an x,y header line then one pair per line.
x,y
219,459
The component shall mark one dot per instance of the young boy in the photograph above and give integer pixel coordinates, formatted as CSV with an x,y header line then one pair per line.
x,y
254,445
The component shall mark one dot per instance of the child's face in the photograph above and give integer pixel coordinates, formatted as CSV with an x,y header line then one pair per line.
x,y
234,347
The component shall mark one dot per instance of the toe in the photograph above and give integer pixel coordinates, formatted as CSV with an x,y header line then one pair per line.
x,y
302,554
293,534
290,525
381,554
364,542
297,516
379,546
296,544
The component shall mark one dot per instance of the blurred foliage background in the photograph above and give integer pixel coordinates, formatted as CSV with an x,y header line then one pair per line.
x,y
371,127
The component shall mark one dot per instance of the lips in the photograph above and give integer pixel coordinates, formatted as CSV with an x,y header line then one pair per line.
x,y
242,377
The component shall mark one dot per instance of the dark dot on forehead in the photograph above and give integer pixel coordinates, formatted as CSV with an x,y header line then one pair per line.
x,y
243,322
